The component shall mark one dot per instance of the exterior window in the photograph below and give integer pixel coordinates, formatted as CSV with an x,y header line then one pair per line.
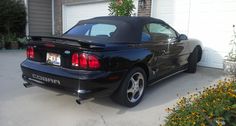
x,y
97,30
158,32
102,30
146,35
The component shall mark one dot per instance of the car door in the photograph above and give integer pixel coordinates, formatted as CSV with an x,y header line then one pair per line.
x,y
159,39
177,49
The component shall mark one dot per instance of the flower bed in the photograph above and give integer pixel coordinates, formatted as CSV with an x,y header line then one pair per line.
x,y
214,106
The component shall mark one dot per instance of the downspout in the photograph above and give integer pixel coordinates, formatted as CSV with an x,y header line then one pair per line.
x,y
53,17
189,15
27,18
152,9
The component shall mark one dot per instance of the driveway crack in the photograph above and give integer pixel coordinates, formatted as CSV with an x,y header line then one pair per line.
x,y
99,114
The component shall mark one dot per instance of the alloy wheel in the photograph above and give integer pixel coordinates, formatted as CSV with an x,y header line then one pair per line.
x,y
135,87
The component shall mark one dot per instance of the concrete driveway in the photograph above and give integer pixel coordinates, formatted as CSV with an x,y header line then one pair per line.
x,y
39,107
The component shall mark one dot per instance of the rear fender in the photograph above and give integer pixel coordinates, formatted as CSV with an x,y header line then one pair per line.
x,y
193,43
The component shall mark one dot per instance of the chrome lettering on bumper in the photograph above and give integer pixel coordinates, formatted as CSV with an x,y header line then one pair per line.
x,y
46,79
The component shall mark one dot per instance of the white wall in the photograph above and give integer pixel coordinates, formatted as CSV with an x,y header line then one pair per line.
x,y
207,20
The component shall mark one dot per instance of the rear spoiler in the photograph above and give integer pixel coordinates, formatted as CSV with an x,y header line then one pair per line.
x,y
68,41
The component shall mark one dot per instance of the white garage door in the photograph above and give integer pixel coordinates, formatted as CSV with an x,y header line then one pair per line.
x,y
207,20
74,13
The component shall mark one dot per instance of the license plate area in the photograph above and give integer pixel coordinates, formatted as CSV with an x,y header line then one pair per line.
x,y
53,59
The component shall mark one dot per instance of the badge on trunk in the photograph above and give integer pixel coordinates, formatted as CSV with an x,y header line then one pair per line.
x,y
67,52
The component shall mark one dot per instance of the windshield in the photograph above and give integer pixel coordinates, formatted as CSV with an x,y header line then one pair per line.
x,y
94,30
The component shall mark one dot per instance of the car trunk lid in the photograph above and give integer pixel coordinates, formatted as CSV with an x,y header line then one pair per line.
x,y
58,51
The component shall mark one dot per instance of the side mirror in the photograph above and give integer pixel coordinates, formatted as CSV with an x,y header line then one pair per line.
x,y
182,37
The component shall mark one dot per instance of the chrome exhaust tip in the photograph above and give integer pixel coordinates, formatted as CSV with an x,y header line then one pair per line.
x,y
82,101
28,85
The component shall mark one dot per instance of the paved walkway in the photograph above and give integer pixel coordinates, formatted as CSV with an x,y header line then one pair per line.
x,y
40,107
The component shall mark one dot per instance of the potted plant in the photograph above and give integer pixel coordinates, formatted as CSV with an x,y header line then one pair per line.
x,y
1,42
22,42
10,41
229,64
121,7
6,42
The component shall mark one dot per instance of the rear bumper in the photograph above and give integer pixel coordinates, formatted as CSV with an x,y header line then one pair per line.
x,y
85,84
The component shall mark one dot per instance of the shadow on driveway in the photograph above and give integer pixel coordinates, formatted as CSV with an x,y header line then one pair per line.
x,y
167,90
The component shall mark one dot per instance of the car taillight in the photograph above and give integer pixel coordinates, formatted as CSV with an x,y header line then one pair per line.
x,y
30,52
93,62
85,61
75,59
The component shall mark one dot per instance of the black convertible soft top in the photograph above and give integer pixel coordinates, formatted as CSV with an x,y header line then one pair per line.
x,y
127,19
129,29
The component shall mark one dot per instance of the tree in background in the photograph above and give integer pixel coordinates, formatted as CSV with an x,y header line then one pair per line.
x,y
12,23
121,7
12,17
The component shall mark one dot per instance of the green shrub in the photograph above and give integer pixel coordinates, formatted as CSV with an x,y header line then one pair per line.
x,y
9,39
1,42
121,7
232,54
214,106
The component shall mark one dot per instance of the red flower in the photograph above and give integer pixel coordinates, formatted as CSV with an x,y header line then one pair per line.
x,y
119,2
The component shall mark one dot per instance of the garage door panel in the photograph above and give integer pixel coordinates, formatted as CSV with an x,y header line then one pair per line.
x,y
74,13
173,12
209,58
210,21
170,6
212,25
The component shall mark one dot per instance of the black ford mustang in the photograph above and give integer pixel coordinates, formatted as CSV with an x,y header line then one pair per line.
x,y
110,56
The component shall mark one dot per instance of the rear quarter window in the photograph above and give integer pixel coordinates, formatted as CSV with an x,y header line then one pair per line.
x,y
95,30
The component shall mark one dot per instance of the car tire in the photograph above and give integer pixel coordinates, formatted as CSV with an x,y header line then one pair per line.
x,y
192,61
131,90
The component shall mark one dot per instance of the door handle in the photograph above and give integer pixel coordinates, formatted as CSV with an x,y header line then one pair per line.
x,y
163,52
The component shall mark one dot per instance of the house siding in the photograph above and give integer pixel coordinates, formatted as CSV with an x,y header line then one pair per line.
x,y
146,10
58,17
40,17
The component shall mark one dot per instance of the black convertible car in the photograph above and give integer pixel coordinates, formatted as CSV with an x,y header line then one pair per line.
x,y
110,56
